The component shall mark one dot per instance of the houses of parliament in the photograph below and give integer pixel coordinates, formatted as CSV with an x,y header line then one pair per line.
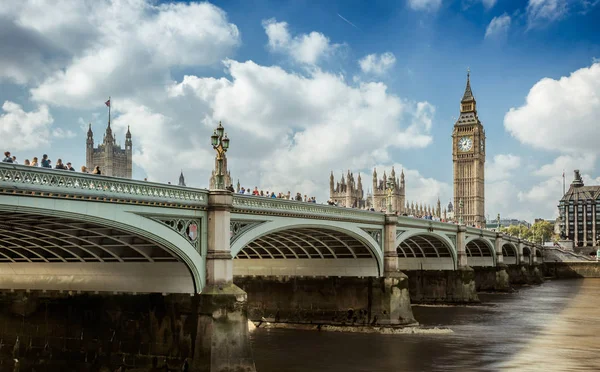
x,y
112,159
468,159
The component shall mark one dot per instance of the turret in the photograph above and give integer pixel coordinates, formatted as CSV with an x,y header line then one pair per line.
x,y
237,186
181,178
374,180
438,209
89,149
128,152
359,187
331,184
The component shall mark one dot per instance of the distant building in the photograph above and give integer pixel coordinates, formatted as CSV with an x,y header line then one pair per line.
x,y
506,222
109,156
181,179
579,213
349,193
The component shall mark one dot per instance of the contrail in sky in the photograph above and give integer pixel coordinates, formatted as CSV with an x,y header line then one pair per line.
x,y
348,22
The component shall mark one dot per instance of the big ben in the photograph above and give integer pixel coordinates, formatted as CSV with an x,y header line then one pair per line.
x,y
468,157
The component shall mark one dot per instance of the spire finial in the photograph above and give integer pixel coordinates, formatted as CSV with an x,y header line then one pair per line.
x,y
468,96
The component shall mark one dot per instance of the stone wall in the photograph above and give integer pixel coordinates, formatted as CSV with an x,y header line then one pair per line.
x,y
525,274
58,332
565,270
327,300
442,286
492,279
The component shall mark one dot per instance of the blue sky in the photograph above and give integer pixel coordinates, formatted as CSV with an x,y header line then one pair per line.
x,y
286,80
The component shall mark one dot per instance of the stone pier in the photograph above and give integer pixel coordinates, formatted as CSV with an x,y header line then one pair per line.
x,y
524,274
328,300
222,332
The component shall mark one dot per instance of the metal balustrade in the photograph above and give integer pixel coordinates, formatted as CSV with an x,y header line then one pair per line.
x,y
62,182
264,204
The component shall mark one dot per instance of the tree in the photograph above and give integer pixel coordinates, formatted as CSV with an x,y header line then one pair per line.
x,y
539,232
542,231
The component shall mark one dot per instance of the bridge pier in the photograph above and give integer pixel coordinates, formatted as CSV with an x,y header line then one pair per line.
x,y
396,296
502,280
222,340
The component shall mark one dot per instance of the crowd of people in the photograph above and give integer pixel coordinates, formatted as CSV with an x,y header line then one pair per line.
x,y
47,163
268,194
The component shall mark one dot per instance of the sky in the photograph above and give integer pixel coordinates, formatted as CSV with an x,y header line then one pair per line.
x,y
304,88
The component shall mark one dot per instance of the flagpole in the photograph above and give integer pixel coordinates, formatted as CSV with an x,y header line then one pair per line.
x,y
563,182
109,105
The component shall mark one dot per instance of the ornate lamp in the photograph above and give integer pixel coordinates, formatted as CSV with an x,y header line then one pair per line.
x,y
390,190
220,143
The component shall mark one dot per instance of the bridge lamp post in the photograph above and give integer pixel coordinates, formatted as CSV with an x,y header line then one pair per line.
x,y
390,190
498,220
220,143
460,212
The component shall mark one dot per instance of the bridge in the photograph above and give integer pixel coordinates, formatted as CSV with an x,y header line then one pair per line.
x,y
79,233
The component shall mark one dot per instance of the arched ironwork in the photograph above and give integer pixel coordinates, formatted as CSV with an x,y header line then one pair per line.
x,y
509,250
423,246
478,248
38,238
305,243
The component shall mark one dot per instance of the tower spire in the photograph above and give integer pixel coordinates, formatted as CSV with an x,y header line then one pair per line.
x,y
468,96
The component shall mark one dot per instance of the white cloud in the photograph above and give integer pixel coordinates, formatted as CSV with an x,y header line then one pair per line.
x,y
498,26
425,5
63,133
487,4
297,127
540,12
22,130
501,166
568,163
377,64
305,48
560,115
125,46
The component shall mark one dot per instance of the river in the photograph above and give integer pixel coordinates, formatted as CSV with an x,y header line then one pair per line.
x,y
552,327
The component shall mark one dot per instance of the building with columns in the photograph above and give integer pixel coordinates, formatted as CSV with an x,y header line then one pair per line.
x,y
109,156
579,213
468,158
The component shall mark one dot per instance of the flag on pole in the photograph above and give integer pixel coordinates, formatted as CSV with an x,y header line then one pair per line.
x,y
107,103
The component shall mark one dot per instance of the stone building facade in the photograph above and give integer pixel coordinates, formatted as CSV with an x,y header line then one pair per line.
x,y
349,193
378,197
579,214
468,157
109,156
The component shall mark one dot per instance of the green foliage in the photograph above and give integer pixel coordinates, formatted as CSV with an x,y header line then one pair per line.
x,y
539,232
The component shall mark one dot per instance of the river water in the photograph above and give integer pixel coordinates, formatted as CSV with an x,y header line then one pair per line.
x,y
552,327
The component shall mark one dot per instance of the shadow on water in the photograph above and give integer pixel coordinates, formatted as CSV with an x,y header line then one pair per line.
x,y
485,338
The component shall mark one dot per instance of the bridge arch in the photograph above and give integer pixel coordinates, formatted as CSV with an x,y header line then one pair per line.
x,y
290,246
92,246
480,251
425,250
509,253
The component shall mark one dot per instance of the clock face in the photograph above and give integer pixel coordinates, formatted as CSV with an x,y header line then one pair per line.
x,y
481,145
465,144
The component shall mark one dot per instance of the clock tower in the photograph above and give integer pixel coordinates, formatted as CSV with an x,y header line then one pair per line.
x,y
468,158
